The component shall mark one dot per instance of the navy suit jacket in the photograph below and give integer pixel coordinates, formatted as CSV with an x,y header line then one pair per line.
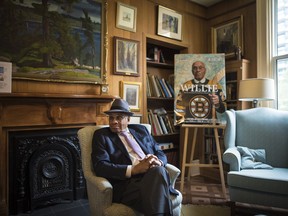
x,y
110,157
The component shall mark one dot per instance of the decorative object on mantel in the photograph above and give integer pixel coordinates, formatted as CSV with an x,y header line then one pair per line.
x,y
256,89
227,37
104,88
5,77
74,52
131,92
126,57
169,23
126,17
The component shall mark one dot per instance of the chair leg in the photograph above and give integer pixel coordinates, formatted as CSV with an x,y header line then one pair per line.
x,y
232,206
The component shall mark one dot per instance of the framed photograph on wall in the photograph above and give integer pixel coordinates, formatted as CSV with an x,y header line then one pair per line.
x,y
5,77
126,17
228,37
131,92
126,57
169,23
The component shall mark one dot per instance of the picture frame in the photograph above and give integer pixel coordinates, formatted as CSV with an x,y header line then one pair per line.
x,y
126,17
135,119
131,92
79,57
169,23
126,57
227,37
5,77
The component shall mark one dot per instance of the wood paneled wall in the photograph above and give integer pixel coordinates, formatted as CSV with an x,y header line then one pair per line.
x,y
197,21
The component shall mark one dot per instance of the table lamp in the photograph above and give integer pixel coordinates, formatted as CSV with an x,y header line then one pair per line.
x,y
256,89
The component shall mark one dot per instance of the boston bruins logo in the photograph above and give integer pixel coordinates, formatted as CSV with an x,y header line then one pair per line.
x,y
200,106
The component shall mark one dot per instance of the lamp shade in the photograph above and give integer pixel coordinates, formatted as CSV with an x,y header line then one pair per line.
x,y
256,89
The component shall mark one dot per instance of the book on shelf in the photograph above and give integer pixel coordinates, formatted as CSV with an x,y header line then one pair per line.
x,y
159,87
161,122
170,88
165,88
153,120
155,90
165,146
162,57
148,89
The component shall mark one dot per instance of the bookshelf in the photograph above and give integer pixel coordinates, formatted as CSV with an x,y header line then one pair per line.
x,y
236,70
159,95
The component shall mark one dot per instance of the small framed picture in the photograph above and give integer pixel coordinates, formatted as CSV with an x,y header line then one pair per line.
x,y
126,57
169,23
135,119
131,92
227,37
5,77
126,17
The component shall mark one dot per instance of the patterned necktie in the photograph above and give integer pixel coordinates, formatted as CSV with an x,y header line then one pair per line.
x,y
132,143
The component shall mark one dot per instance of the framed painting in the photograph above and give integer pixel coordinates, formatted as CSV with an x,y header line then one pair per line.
x,y
126,17
55,40
126,57
169,23
228,37
5,77
131,92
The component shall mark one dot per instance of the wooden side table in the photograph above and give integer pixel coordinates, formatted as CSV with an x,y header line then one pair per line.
x,y
215,127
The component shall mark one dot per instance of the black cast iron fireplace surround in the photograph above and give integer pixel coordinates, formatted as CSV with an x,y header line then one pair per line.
x,y
44,168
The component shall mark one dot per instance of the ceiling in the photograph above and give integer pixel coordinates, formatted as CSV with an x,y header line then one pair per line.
x,y
206,3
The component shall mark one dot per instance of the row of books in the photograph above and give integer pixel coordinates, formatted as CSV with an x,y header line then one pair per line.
x,y
166,146
162,122
159,87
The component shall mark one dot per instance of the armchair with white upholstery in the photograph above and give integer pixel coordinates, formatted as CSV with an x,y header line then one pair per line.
x,y
100,190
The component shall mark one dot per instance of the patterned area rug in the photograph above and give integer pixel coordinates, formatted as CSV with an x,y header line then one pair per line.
x,y
203,191
206,192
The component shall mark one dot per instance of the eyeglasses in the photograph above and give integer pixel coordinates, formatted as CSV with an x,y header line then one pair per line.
x,y
117,118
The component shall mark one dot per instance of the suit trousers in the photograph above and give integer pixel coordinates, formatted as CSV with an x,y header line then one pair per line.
x,y
147,193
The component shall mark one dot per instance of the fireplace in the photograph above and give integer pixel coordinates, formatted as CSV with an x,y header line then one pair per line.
x,y
39,149
44,168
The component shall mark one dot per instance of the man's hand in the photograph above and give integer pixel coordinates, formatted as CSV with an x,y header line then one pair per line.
x,y
148,162
215,99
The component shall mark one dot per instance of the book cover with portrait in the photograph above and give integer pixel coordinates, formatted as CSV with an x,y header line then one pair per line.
x,y
200,88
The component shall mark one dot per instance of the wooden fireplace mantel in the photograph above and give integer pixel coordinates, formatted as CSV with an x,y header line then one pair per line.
x,y
32,111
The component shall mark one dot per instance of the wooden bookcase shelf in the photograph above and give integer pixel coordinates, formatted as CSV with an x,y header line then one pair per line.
x,y
236,70
159,70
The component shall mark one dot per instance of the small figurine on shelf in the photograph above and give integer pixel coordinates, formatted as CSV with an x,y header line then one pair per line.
x,y
238,53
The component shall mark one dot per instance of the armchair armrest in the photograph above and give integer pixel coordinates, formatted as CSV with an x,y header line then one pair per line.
x,y
232,157
174,172
100,192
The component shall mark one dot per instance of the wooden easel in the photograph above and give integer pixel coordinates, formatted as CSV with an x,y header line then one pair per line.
x,y
190,164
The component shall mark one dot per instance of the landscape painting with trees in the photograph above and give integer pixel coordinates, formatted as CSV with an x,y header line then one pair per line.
x,y
52,40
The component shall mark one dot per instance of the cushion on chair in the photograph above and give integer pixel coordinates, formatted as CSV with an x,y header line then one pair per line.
x,y
263,180
253,158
